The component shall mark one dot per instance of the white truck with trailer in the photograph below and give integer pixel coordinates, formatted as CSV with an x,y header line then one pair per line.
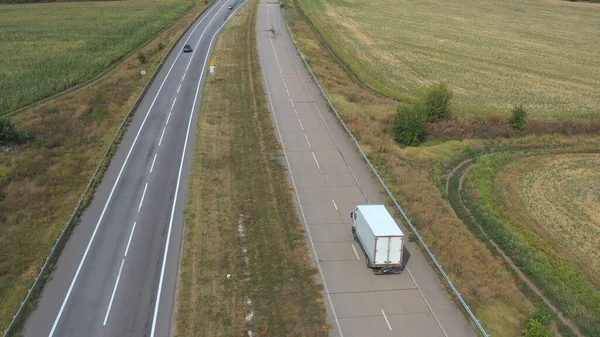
x,y
380,238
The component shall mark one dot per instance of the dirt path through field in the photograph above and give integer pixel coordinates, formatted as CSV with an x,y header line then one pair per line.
x,y
462,170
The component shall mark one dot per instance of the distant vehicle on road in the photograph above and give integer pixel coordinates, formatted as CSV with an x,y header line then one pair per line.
x,y
187,48
230,7
379,237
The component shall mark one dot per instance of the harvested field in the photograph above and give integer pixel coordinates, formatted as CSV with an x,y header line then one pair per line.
x,y
493,54
49,47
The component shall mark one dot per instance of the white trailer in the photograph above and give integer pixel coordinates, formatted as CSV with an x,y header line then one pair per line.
x,y
379,237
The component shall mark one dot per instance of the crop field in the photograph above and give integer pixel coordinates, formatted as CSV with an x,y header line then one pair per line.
x,y
558,196
493,54
47,48
543,210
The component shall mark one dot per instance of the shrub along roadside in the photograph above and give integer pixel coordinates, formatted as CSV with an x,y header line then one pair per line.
x,y
10,134
556,276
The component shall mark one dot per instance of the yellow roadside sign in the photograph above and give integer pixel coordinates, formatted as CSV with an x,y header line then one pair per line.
x,y
212,63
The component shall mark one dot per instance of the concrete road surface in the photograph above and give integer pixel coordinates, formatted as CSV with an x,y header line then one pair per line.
x,y
330,179
117,274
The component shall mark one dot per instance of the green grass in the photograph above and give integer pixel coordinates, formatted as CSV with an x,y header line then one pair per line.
x,y
48,48
540,255
240,217
493,54
41,182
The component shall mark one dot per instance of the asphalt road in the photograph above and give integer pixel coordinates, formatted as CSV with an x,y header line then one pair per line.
x,y
330,179
118,271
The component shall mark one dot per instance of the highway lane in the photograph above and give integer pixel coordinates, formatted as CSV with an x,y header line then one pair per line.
x,y
117,273
330,179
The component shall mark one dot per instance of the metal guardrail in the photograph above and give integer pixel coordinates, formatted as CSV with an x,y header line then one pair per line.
x,y
93,182
389,193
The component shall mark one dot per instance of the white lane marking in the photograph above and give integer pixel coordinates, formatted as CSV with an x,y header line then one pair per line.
x,y
168,117
386,320
355,252
87,249
296,112
179,87
306,137
143,195
293,106
185,73
187,136
319,167
286,89
153,160
172,105
334,205
161,136
129,241
112,297
301,126
285,84
312,244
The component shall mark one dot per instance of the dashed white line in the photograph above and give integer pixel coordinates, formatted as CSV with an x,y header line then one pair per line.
x,y
143,195
334,205
306,137
179,87
355,252
172,105
168,117
185,73
301,126
386,320
161,136
286,89
113,293
153,160
285,84
130,236
293,106
319,167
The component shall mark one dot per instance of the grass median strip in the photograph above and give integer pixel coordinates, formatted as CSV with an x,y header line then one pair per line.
x,y
245,265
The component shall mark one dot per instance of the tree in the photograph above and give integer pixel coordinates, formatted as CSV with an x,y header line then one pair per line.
x,y
518,120
410,125
10,134
435,100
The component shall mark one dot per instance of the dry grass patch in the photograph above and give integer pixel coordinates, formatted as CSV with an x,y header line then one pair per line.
x,y
240,218
41,183
492,53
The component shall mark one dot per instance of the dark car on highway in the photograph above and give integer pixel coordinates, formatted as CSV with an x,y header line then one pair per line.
x,y
230,7
187,48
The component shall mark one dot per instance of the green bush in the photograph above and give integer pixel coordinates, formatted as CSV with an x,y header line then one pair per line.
x,y
410,125
435,100
9,134
518,120
535,328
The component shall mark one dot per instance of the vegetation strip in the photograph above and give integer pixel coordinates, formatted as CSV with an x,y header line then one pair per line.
x,y
12,174
244,265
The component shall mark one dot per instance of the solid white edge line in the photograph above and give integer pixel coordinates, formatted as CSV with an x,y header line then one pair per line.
x,y
386,320
143,195
312,244
355,252
162,135
316,162
87,249
168,118
153,161
334,205
187,135
112,297
129,241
